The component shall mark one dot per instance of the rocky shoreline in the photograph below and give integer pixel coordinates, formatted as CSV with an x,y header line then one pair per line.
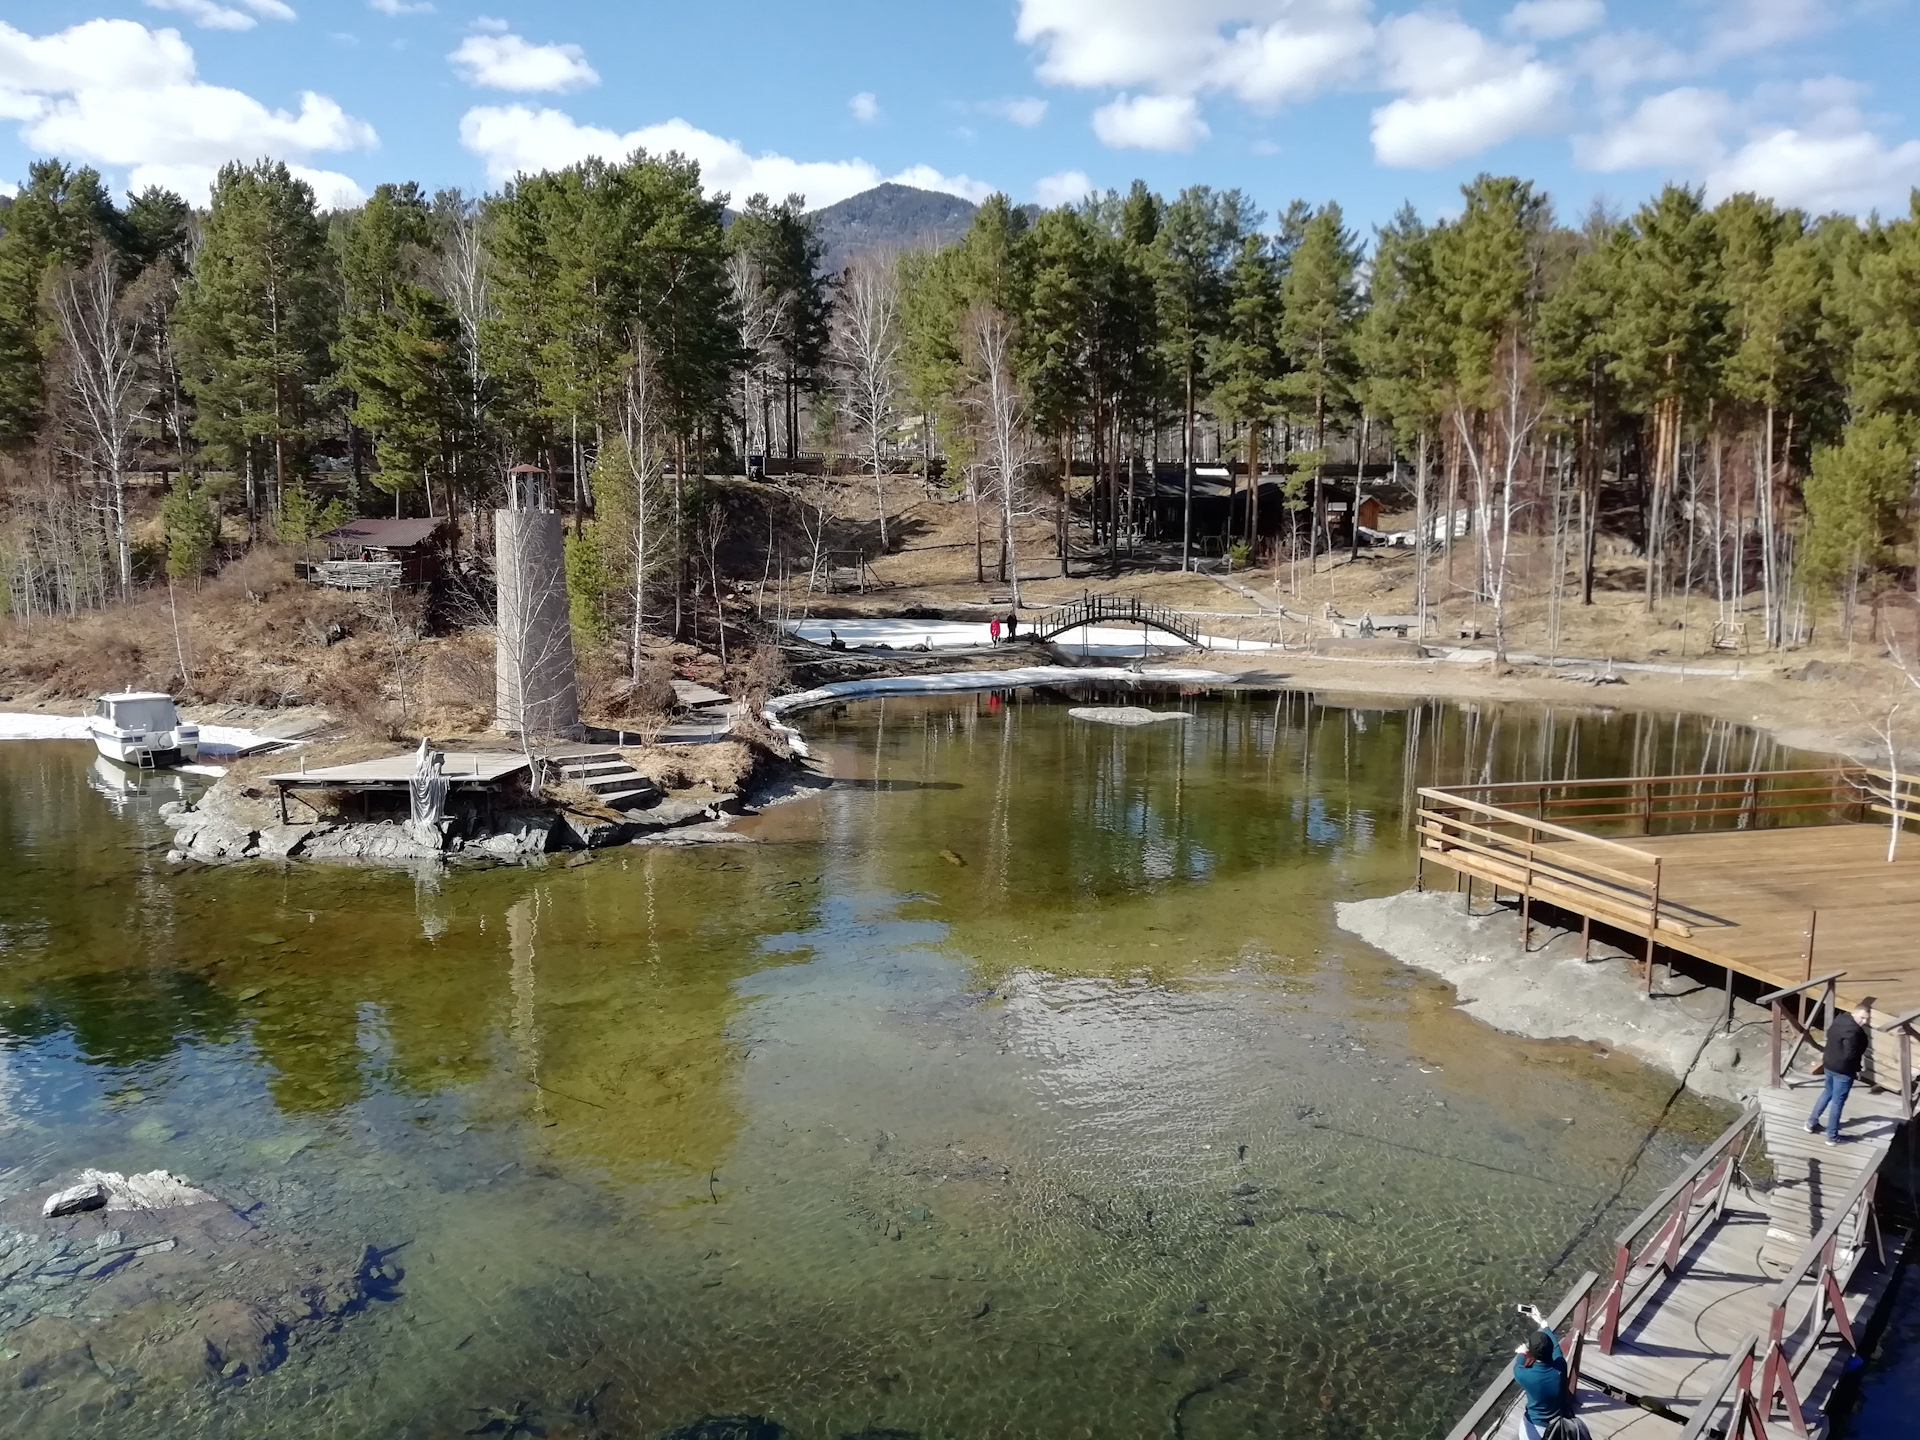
x,y
239,819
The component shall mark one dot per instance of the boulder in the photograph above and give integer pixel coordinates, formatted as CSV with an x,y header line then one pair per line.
x,y
283,841
87,1195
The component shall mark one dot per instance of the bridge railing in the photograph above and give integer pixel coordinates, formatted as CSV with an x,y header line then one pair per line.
x,y
1732,1387
1809,1303
1115,609
1568,1320
1903,1027
1799,1007
1654,1243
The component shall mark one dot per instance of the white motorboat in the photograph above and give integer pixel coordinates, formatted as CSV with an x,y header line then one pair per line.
x,y
141,728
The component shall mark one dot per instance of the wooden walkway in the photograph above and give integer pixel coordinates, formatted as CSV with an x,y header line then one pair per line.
x,y
1731,1271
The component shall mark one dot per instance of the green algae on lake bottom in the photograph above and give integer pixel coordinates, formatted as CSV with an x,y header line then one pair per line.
x,y
1105,1130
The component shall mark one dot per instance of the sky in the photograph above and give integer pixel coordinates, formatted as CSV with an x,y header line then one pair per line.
x,y
1367,102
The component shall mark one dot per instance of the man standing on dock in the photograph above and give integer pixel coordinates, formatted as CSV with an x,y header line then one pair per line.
x,y
1846,1048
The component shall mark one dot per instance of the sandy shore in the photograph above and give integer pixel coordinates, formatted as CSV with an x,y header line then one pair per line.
x,y
1839,715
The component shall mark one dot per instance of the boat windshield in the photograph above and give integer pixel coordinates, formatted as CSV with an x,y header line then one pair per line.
x,y
143,714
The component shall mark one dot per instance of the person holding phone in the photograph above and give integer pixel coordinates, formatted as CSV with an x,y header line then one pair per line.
x,y
1540,1370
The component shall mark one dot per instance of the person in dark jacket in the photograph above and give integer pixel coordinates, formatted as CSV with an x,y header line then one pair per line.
x,y
1846,1050
1540,1370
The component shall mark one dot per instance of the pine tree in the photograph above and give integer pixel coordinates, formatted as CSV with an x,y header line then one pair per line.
x,y
1247,367
1398,348
401,350
256,320
1319,311
1198,233
58,219
1667,339
192,526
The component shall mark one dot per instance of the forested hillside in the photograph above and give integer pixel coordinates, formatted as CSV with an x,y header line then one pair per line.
x,y
1730,394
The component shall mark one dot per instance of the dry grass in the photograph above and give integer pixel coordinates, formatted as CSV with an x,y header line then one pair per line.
x,y
722,765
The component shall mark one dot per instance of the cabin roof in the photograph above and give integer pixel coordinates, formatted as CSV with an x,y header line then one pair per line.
x,y
138,695
385,534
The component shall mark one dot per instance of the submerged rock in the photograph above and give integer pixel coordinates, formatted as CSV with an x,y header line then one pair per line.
x,y
1125,714
729,1427
87,1195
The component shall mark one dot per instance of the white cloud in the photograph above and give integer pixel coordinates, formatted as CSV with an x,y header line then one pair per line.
x,y
1150,122
1069,187
209,16
1025,111
117,94
491,24
865,107
510,62
1747,27
515,139
1555,19
1264,51
1677,130
401,7
1462,92
1830,160
925,177
1619,60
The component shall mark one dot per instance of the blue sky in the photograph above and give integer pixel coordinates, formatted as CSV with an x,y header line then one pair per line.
x,y
1365,101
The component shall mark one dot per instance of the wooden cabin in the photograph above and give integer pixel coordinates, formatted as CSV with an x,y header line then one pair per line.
x,y
377,554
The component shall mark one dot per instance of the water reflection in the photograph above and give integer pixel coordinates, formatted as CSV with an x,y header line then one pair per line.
x,y
1019,1084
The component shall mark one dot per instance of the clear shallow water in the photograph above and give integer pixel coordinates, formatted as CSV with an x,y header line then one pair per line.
x,y
1020,1084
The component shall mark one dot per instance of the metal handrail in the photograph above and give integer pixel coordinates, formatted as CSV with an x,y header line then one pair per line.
x,y
1491,1398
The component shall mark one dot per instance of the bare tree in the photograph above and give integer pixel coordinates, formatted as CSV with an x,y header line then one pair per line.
x,y
866,351
1496,442
1006,453
765,315
106,382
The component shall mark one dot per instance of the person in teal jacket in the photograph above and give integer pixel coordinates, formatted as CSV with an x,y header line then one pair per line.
x,y
1540,1370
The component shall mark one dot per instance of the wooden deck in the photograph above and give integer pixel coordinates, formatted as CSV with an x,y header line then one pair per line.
x,y
1749,898
462,767
1778,877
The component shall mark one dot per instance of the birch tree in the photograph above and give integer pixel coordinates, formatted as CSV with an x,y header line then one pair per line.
x,y
102,337
1006,452
866,352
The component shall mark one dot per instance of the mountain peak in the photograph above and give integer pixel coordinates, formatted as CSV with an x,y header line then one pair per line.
x,y
889,216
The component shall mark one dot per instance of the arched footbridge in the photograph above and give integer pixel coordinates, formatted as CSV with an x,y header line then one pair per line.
x,y
1092,610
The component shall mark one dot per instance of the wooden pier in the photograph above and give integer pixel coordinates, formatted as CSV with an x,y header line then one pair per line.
x,y
1779,876
1737,1299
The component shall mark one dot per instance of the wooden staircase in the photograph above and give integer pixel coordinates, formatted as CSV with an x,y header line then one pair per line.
x,y
612,780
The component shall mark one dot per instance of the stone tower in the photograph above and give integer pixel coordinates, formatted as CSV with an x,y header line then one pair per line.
x,y
535,691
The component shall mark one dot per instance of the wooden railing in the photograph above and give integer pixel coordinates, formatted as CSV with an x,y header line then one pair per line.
x,y
1530,855
1788,1007
1903,1026
1737,800
1732,1387
1686,1207
1568,1320
1829,1267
